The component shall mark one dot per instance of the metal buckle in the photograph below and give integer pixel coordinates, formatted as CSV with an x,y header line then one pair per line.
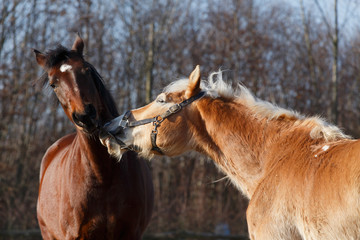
x,y
124,123
158,119
175,108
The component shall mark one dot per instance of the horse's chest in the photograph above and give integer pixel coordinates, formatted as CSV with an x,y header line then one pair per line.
x,y
78,206
88,216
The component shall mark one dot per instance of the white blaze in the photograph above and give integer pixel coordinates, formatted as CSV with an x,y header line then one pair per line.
x,y
65,67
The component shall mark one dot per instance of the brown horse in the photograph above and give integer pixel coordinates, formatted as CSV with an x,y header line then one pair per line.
x,y
301,175
84,192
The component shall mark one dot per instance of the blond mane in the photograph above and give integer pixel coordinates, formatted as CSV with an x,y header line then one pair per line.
x,y
216,87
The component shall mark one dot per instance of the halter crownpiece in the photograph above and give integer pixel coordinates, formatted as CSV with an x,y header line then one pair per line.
x,y
122,122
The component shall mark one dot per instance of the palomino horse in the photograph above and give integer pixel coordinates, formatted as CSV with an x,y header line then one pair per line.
x,y
84,192
301,175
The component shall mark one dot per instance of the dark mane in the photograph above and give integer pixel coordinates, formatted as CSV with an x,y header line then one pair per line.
x,y
58,55
103,92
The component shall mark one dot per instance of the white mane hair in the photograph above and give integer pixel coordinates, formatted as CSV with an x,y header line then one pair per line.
x,y
216,87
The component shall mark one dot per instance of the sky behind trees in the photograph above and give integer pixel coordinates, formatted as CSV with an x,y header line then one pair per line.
x,y
281,52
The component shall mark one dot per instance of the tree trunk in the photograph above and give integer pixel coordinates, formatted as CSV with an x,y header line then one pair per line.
x,y
149,65
334,79
313,79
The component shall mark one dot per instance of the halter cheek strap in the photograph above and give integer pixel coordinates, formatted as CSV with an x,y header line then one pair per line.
x,y
172,110
156,121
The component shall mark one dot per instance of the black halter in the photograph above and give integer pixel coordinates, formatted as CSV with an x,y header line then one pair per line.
x,y
123,121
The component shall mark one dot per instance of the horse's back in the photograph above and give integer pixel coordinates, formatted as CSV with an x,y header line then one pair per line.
x,y
314,197
337,189
332,198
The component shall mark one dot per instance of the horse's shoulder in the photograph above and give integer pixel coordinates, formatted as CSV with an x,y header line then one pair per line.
x,y
53,150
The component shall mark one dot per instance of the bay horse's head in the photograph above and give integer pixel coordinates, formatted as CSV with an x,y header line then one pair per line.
x,y
161,127
78,86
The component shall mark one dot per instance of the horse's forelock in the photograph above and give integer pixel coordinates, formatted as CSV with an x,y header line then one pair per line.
x,y
57,55
215,86
177,86
53,57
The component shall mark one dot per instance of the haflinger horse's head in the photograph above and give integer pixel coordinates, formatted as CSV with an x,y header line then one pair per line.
x,y
161,127
76,85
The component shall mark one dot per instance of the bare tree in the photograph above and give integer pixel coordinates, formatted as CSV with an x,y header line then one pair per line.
x,y
309,49
140,46
334,36
149,65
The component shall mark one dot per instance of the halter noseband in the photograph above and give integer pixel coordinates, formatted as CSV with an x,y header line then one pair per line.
x,y
156,121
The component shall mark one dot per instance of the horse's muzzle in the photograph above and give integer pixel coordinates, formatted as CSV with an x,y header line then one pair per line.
x,y
116,129
86,120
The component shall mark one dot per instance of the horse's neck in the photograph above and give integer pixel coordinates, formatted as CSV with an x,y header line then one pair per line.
x,y
94,156
237,141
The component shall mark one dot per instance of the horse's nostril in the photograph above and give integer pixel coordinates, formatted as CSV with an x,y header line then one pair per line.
x,y
77,118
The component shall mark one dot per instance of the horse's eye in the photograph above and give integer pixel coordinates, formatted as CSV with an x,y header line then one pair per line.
x,y
53,82
160,99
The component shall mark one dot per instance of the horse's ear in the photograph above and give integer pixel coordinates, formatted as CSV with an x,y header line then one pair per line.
x,y
194,83
40,58
78,45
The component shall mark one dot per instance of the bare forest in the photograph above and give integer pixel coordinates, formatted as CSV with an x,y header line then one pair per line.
x,y
301,55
